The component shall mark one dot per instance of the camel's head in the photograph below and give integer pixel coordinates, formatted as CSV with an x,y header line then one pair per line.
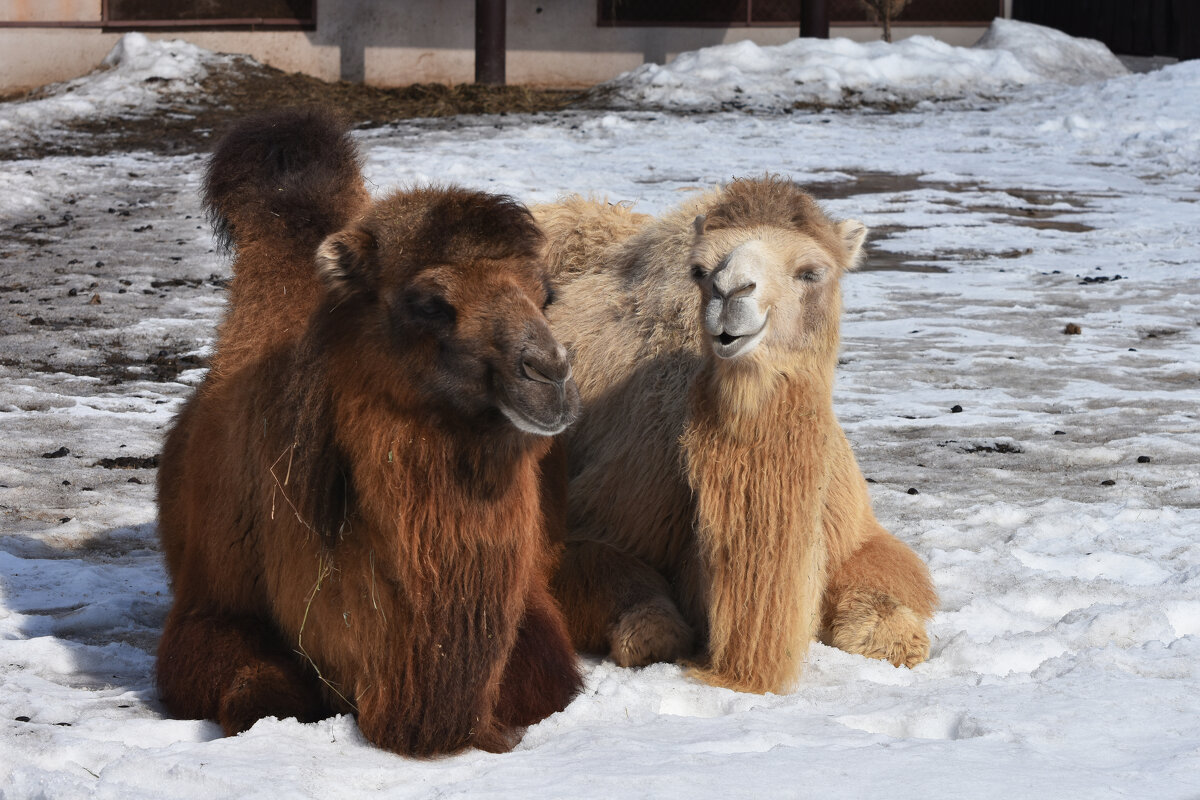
x,y
448,287
768,263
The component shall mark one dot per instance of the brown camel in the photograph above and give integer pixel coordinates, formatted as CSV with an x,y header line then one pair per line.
x,y
349,505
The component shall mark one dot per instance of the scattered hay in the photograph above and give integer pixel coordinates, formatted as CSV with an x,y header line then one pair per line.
x,y
230,92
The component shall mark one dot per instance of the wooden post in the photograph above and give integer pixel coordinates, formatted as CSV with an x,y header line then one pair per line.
x,y
814,18
490,45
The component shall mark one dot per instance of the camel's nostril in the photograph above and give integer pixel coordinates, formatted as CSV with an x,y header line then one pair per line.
x,y
743,290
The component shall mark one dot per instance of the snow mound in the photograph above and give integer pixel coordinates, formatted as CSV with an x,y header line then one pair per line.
x,y
1051,54
136,78
136,58
840,72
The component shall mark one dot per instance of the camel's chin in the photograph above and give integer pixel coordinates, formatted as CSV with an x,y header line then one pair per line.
x,y
533,426
542,416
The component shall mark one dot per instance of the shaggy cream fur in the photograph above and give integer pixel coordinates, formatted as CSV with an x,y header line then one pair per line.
x,y
715,507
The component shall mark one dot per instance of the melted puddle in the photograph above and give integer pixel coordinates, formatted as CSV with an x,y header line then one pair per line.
x,y
1039,209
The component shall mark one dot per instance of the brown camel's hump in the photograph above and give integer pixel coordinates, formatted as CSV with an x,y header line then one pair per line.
x,y
276,186
292,177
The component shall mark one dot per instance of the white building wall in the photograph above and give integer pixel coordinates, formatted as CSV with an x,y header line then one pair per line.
x,y
550,42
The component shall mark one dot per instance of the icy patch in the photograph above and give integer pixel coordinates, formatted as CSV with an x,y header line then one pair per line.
x,y
925,723
1184,617
1097,566
1011,655
694,699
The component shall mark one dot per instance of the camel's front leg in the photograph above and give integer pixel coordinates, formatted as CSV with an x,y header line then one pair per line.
x,y
542,674
878,601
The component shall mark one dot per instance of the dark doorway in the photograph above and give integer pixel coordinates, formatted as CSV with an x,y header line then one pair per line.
x,y
209,13
1128,27
785,12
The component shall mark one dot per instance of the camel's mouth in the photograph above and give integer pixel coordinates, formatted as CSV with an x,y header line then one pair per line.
x,y
538,404
529,424
728,345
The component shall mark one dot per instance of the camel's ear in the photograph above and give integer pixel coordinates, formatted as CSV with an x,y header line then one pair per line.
x,y
699,224
344,262
853,234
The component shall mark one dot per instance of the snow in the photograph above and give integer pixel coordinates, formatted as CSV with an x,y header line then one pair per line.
x,y
134,77
838,71
1066,651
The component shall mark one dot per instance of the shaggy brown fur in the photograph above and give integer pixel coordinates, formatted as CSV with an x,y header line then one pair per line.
x,y
351,512
715,502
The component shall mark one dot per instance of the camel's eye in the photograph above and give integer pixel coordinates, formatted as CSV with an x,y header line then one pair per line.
x,y
698,272
551,296
431,310
810,275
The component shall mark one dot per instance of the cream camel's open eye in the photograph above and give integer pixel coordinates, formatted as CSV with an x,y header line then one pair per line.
x,y
698,272
810,275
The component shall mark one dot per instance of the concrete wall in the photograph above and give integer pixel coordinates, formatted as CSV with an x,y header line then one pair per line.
x,y
397,43
50,10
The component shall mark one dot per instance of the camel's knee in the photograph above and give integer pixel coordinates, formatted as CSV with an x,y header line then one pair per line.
x,y
597,585
650,632
877,625
542,673
231,669
887,566
263,689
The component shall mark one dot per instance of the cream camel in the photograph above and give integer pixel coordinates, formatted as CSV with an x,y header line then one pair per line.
x,y
716,510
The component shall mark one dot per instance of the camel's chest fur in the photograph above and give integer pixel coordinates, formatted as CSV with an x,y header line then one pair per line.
x,y
758,482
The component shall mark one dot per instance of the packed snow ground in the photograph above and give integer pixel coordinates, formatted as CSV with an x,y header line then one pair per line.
x,y
1059,510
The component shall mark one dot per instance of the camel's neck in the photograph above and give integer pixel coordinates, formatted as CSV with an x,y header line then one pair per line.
x,y
467,464
369,464
759,484
471,492
745,395
274,291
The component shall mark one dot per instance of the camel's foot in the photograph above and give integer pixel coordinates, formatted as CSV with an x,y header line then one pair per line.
x,y
651,632
877,625
268,690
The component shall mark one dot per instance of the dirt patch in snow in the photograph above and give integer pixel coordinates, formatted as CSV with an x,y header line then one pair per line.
x,y
231,92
